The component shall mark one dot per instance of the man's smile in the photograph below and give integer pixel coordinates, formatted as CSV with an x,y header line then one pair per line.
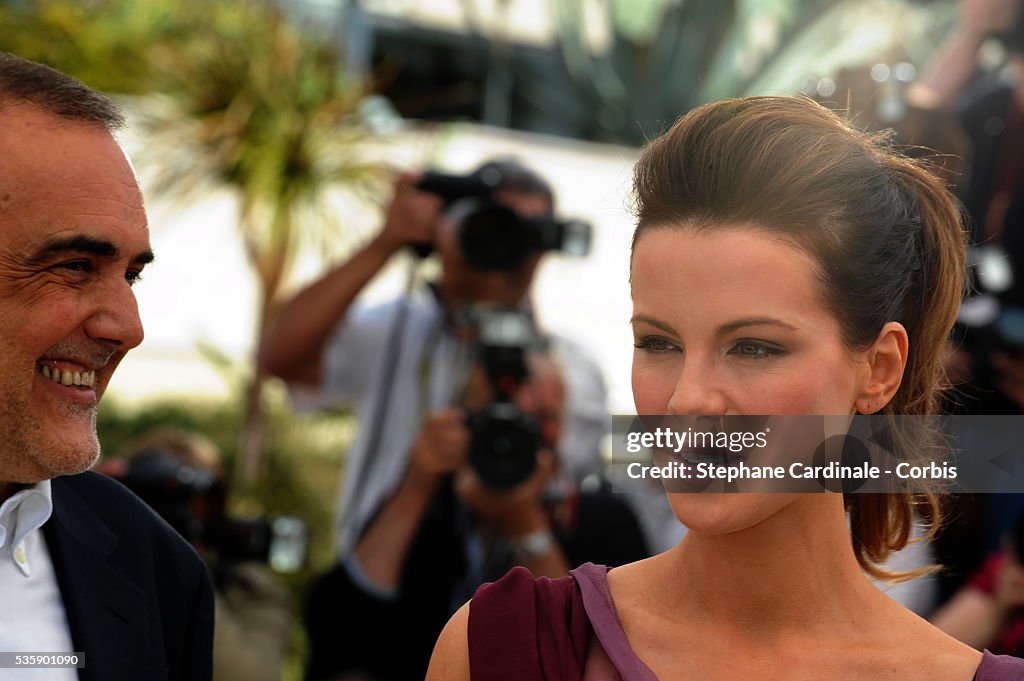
x,y
68,374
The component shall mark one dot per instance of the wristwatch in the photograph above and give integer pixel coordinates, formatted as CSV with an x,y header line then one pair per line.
x,y
531,546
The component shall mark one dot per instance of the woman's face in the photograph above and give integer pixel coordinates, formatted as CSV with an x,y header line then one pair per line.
x,y
730,321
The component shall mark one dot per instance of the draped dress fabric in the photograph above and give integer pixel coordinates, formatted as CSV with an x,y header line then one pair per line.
x,y
567,629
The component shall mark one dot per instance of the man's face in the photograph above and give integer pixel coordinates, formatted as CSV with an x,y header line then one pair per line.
x,y
73,240
462,283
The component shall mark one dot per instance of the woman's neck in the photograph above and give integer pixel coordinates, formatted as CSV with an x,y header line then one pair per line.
x,y
792,569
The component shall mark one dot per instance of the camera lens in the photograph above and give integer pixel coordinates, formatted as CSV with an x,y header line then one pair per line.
x,y
503,445
494,238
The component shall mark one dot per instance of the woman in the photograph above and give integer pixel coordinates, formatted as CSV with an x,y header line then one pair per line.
x,y
783,263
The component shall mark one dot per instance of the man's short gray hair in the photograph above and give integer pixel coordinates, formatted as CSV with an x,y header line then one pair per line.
x,y
27,82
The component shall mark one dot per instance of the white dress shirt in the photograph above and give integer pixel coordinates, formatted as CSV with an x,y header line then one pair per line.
x,y
32,616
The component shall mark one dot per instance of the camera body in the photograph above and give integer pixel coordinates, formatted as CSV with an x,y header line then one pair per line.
x,y
192,501
504,440
492,236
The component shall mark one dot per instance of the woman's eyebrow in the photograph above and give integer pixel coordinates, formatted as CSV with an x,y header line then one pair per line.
x,y
653,322
730,327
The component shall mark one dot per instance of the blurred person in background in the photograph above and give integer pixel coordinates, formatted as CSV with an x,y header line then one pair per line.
x,y
180,475
454,523
84,566
332,350
986,364
989,611
990,108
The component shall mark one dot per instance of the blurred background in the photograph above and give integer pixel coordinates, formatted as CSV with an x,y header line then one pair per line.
x,y
266,135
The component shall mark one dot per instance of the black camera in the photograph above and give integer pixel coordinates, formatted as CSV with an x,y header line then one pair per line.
x,y
503,439
492,236
192,501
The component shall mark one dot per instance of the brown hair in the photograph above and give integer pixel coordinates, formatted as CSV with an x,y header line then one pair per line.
x,y
885,233
26,82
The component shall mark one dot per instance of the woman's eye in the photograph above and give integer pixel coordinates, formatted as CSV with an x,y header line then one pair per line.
x,y
755,350
655,344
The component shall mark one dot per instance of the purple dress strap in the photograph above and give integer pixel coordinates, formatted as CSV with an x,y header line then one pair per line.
x,y
999,668
604,620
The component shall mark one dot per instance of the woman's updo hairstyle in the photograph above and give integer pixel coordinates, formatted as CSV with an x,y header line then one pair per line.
x,y
885,233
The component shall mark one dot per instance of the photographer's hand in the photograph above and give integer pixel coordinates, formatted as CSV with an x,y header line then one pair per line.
x,y
293,347
440,448
519,513
412,216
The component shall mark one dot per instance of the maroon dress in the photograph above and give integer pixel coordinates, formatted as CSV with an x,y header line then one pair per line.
x,y
522,629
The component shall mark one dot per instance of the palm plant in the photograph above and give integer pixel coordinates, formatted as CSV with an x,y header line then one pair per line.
x,y
256,106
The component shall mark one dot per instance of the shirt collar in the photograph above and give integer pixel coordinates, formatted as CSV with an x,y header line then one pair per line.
x,y
21,514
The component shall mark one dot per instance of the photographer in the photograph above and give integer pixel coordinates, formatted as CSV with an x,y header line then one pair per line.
x,y
332,351
447,529
179,475
987,365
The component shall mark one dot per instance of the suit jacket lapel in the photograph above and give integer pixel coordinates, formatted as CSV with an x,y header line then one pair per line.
x,y
107,613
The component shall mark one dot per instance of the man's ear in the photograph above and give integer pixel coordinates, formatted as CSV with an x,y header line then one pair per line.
x,y
885,361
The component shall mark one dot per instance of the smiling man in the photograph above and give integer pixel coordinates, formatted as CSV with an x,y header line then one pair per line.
x,y
84,565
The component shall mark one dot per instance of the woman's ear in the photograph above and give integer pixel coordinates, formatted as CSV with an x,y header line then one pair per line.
x,y
886,359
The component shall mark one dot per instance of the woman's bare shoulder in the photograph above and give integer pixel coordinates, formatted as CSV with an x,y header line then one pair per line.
x,y
931,651
450,660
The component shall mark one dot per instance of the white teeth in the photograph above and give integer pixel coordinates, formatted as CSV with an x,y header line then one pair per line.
x,y
696,457
85,379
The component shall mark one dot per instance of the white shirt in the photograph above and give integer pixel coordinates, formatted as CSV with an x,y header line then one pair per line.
x,y
32,616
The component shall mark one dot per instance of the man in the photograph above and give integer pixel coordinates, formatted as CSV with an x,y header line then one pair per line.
x,y
322,342
84,565
445,531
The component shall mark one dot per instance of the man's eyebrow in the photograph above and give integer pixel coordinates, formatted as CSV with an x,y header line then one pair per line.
x,y
85,244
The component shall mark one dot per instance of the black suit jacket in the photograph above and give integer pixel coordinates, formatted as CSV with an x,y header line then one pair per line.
x,y
138,599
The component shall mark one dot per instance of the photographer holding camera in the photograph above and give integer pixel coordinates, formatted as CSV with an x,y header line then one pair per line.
x,y
394,363
476,499
178,473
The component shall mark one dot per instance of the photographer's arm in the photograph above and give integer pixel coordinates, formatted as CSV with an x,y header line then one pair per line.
x,y
293,346
439,449
957,60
